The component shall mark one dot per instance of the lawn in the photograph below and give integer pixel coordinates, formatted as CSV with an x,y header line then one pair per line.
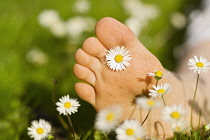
x,y
36,62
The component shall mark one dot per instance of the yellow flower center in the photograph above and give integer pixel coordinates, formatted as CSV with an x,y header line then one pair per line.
x,y
110,117
129,131
199,64
161,91
150,102
138,139
175,115
178,129
118,58
40,130
67,105
159,73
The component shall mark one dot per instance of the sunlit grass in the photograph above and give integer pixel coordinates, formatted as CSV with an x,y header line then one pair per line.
x,y
26,87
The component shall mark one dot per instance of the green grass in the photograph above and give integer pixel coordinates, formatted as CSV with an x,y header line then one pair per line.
x,y
25,91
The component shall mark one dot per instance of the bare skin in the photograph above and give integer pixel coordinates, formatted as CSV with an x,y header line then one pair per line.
x,y
106,87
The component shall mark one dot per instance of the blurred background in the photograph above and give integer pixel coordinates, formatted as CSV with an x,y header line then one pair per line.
x,y
38,40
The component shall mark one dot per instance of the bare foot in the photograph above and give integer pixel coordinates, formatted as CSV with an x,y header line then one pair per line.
x,y
106,87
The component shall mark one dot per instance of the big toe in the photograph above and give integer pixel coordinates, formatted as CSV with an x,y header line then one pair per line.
x,y
112,33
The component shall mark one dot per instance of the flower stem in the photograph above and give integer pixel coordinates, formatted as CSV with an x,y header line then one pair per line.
x,y
199,121
149,109
193,102
70,122
140,114
132,111
162,95
106,137
156,82
87,135
163,100
63,123
163,130
146,117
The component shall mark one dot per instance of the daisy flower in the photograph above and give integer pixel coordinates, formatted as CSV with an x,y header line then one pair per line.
x,y
49,17
207,127
39,129
67,105
108,119
158,74
81,6
179,126
139,137
118,58
173,113
160,90
147,103
129,130
199,65
37,56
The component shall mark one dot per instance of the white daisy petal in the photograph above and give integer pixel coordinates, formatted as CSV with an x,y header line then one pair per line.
x,y
158,74
48,18
67,105
148,103
196,58
160,90
39,129
174,113
107,119
179,126
199,65
129,130
118,58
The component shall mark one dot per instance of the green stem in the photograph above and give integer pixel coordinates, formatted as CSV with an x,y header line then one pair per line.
x,y
163,100
63,123
106,137
162,95
88,134
70,122
199,121
193,102
149,109
140,114
176,136
146,117
156,82
132,111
